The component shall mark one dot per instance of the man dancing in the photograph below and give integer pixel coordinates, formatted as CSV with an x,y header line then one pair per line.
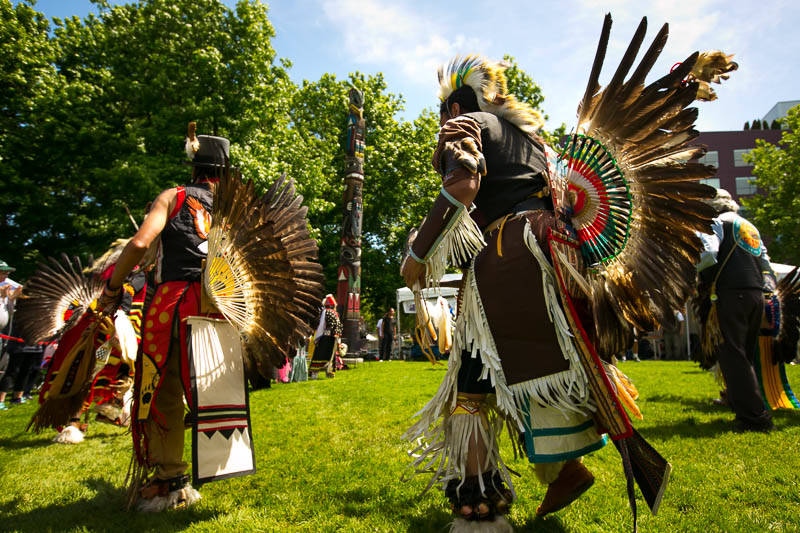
x,y
180,216
507,351
536,327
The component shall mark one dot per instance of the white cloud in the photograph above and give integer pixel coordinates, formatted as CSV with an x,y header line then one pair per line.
x,y
384,33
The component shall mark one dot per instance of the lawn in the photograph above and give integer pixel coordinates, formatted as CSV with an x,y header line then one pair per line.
x,y
329,458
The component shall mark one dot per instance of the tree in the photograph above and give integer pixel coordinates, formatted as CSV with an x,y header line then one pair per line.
x,y
399,187
777,169
106,129
521,85
747,125
27,76
776,125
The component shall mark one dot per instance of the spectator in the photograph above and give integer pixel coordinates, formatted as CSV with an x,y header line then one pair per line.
x,y
387,333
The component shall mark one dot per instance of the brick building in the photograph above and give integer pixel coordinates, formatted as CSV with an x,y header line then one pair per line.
x,y
725,152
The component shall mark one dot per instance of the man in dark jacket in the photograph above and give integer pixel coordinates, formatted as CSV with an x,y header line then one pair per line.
x,y
740,278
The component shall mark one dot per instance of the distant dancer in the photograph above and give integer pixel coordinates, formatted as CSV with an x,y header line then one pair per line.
x,y
737,282
326,338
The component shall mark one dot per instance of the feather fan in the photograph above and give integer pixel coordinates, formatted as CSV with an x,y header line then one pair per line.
x,y
261,272
59,288
634,195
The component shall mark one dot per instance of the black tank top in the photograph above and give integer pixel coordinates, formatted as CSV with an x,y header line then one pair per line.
x,y
515,166
184,241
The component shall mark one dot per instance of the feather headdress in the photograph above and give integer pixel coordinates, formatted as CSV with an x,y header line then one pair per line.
x,y
487,78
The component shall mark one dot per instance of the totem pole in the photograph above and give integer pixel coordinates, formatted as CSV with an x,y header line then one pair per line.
x,y
348,288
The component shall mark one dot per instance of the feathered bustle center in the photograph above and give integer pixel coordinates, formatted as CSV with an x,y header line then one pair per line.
x,y
487,78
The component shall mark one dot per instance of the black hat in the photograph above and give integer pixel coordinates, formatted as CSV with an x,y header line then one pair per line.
x,y
207,150
212,152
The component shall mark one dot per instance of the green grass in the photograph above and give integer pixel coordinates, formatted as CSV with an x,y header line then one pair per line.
x,y
329,458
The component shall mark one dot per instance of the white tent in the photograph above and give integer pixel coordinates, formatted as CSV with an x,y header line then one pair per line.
x,y
781,270
406,297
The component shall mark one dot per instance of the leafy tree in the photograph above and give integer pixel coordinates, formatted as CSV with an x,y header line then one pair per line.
x,y
776,124
26,76
106,129
521,85
747,125
777,168
399,181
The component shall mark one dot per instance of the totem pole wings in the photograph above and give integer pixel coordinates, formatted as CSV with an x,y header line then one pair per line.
x,y
261,272
626,180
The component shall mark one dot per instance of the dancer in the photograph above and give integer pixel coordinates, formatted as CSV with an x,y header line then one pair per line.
x,y
110,393
326,339
227,258
539,220
737,287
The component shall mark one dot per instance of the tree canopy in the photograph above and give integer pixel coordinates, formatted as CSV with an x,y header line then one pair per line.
x,y
93,116
777,169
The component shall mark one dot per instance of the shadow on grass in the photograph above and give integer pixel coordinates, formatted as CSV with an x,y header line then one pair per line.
x,y
704,405
24,440
84,514
690,427
434,519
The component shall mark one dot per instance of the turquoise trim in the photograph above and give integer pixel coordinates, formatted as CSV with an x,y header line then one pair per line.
x,y
414,256
556,457
450,198
550,432
534,457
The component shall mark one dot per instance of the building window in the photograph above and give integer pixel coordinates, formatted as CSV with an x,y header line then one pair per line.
x,y
713,182
745,186
711,158
738,158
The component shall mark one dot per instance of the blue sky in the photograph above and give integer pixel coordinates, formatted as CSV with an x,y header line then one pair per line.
x,y
554,41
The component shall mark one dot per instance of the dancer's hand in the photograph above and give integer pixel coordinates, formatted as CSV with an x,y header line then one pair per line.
x,y
109,301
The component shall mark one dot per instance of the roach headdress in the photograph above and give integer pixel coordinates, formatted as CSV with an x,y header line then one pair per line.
x,y
488,80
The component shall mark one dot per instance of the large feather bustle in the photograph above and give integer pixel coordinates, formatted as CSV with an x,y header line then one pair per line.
x,y
55,287
487,78
274,284
647,129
